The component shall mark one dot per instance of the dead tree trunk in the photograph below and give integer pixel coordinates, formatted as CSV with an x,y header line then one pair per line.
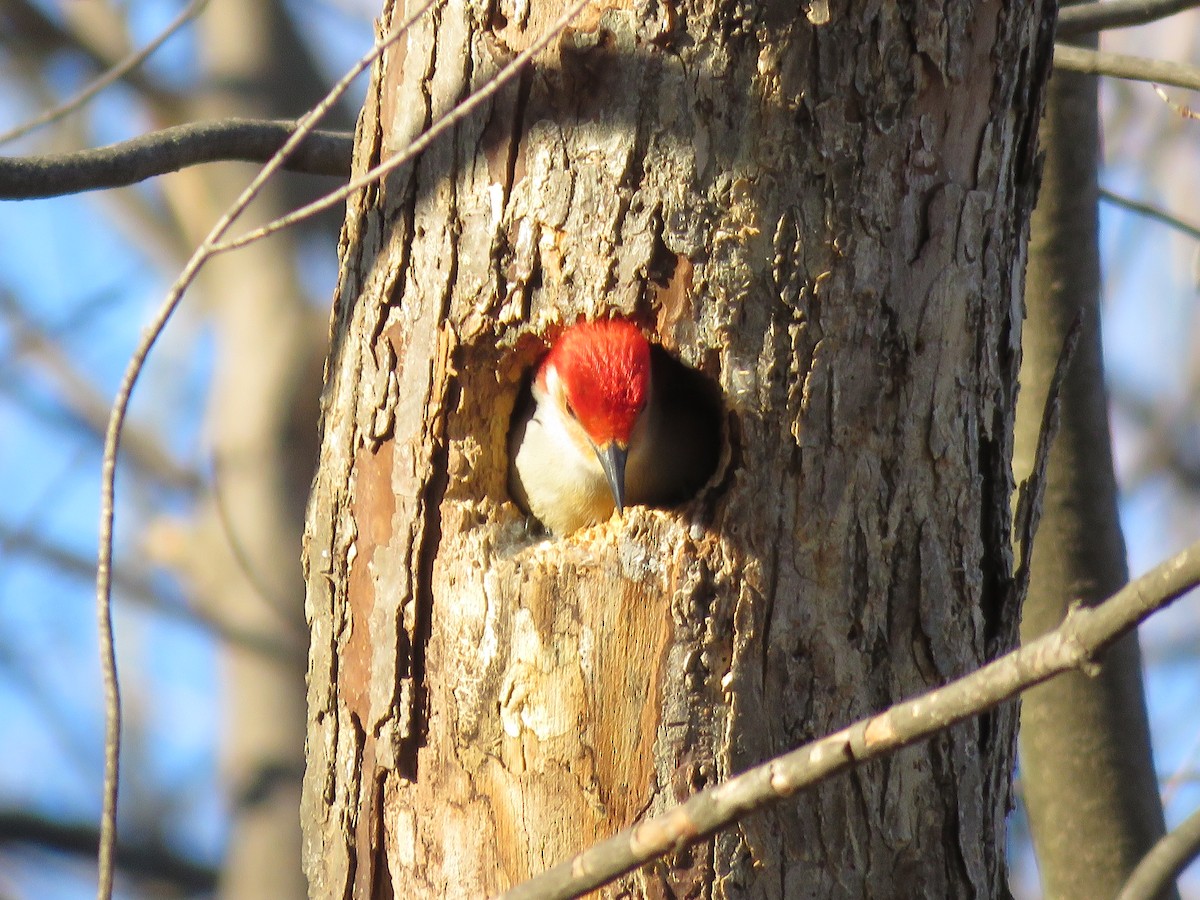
x,y
827,216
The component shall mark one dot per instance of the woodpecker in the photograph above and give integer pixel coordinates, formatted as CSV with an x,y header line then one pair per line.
x,y
609,423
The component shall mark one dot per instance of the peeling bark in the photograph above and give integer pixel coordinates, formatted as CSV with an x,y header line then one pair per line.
x,y
829,221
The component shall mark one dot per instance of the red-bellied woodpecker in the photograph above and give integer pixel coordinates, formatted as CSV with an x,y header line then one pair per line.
x,y
609,425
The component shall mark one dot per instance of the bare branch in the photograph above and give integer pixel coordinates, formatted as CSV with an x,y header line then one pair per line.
x,y
1165,862
417,147
1167,440
1029,498
22,542
171,149
79,395
37,34
1184,112
1134,68
1151,212
145,859
329,152
1075,644
282,606
1186,772
1086,18
138,588
128,64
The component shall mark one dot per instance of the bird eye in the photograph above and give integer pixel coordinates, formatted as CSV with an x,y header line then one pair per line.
x,y
570,409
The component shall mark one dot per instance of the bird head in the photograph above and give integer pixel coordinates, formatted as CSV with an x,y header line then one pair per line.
x,y
597,378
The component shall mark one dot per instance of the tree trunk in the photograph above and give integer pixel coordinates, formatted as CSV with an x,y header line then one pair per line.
x,y
828,219
1087,771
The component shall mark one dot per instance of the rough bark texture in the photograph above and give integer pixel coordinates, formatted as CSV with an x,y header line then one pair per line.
x,y
827,219
1087,771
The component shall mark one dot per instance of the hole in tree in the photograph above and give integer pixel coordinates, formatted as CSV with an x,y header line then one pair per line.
x,y
604,418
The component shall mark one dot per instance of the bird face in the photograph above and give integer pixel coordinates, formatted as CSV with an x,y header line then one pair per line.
x,y
597,379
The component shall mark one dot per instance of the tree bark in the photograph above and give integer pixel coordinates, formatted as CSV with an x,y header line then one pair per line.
x,y
1087,772
828,219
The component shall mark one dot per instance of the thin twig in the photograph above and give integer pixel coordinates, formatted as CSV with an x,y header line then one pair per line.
x,y
1075,644
120,70
1087,18
83,402
1029,498
29,30
169,150
1151,212
1180,109
138,587
1185,771
1165,862
1134,68
146,857
112,440
417,147
328,152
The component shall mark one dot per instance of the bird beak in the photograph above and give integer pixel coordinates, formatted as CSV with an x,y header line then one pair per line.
x,y
612,459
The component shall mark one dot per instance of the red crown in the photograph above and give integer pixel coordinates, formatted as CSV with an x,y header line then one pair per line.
x,y
604,367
